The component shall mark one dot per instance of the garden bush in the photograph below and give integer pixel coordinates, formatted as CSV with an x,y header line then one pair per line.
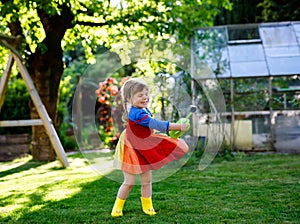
x,y
15,106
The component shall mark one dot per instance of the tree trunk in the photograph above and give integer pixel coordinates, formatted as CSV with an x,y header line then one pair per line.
x,y
46,68
47,83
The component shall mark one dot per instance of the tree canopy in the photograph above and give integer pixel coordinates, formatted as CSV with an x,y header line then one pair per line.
x,y
103,23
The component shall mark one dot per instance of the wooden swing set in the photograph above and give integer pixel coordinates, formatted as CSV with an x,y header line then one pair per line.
x,y
12,44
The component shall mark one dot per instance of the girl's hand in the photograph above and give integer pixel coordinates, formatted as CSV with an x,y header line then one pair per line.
x,y
184,127
176,129
180,126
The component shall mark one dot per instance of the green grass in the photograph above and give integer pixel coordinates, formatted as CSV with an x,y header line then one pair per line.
x,y
248,189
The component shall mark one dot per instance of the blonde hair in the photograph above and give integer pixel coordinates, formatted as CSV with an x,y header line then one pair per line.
x,y
129,88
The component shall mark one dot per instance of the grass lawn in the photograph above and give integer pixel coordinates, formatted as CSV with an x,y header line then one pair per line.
x,y
248,189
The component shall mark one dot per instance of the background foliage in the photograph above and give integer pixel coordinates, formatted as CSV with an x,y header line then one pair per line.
x,y
88,25
15,106
101,25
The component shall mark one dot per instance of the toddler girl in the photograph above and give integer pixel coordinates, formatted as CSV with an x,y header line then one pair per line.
x,y
139,149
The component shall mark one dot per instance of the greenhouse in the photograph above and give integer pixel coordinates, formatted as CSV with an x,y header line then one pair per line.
x,y
258,67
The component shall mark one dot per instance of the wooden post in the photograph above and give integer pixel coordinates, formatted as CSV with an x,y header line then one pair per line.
x,y
42,113
4,79
272,117
193,88
19,123
232,129
79,110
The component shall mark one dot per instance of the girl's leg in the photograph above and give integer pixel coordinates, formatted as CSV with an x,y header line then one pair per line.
x,y
146,191
146,188
127,185
124,190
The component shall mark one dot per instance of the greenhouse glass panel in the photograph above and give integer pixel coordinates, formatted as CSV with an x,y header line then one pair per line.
x,y
249,69
246,52
282,49
297,30
284,65
247,60
210,45
280,35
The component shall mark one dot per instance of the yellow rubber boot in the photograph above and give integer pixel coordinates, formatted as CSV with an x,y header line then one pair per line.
x,y
118,207
147,206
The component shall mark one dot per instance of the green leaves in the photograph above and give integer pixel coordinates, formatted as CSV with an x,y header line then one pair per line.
x,y
98,22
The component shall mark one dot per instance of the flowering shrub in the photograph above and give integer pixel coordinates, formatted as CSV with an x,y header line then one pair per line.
x,y
109,110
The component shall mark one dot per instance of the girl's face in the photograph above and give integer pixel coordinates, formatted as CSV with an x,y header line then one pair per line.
x,y
140,99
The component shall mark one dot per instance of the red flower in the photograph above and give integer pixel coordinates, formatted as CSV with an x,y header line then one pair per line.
x,y
112,81
113,90
97,92
107,95
101,99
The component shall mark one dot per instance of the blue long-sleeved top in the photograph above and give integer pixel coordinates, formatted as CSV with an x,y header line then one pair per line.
x,y
144,117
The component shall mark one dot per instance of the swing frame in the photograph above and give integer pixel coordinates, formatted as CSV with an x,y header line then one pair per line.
x,y
12,44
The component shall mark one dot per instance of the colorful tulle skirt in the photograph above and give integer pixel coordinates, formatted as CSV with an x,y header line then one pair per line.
x,y
137,155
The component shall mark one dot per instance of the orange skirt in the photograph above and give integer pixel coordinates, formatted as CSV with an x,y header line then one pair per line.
x,y
158,150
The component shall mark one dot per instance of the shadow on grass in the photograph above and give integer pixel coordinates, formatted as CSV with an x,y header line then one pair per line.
x,y
23,167
92,204
260,190
83,207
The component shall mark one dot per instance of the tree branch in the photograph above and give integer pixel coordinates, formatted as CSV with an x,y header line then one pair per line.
x,y
16,29
87,12
92,24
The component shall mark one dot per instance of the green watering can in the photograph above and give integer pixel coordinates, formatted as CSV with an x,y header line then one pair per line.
x,y
184,120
